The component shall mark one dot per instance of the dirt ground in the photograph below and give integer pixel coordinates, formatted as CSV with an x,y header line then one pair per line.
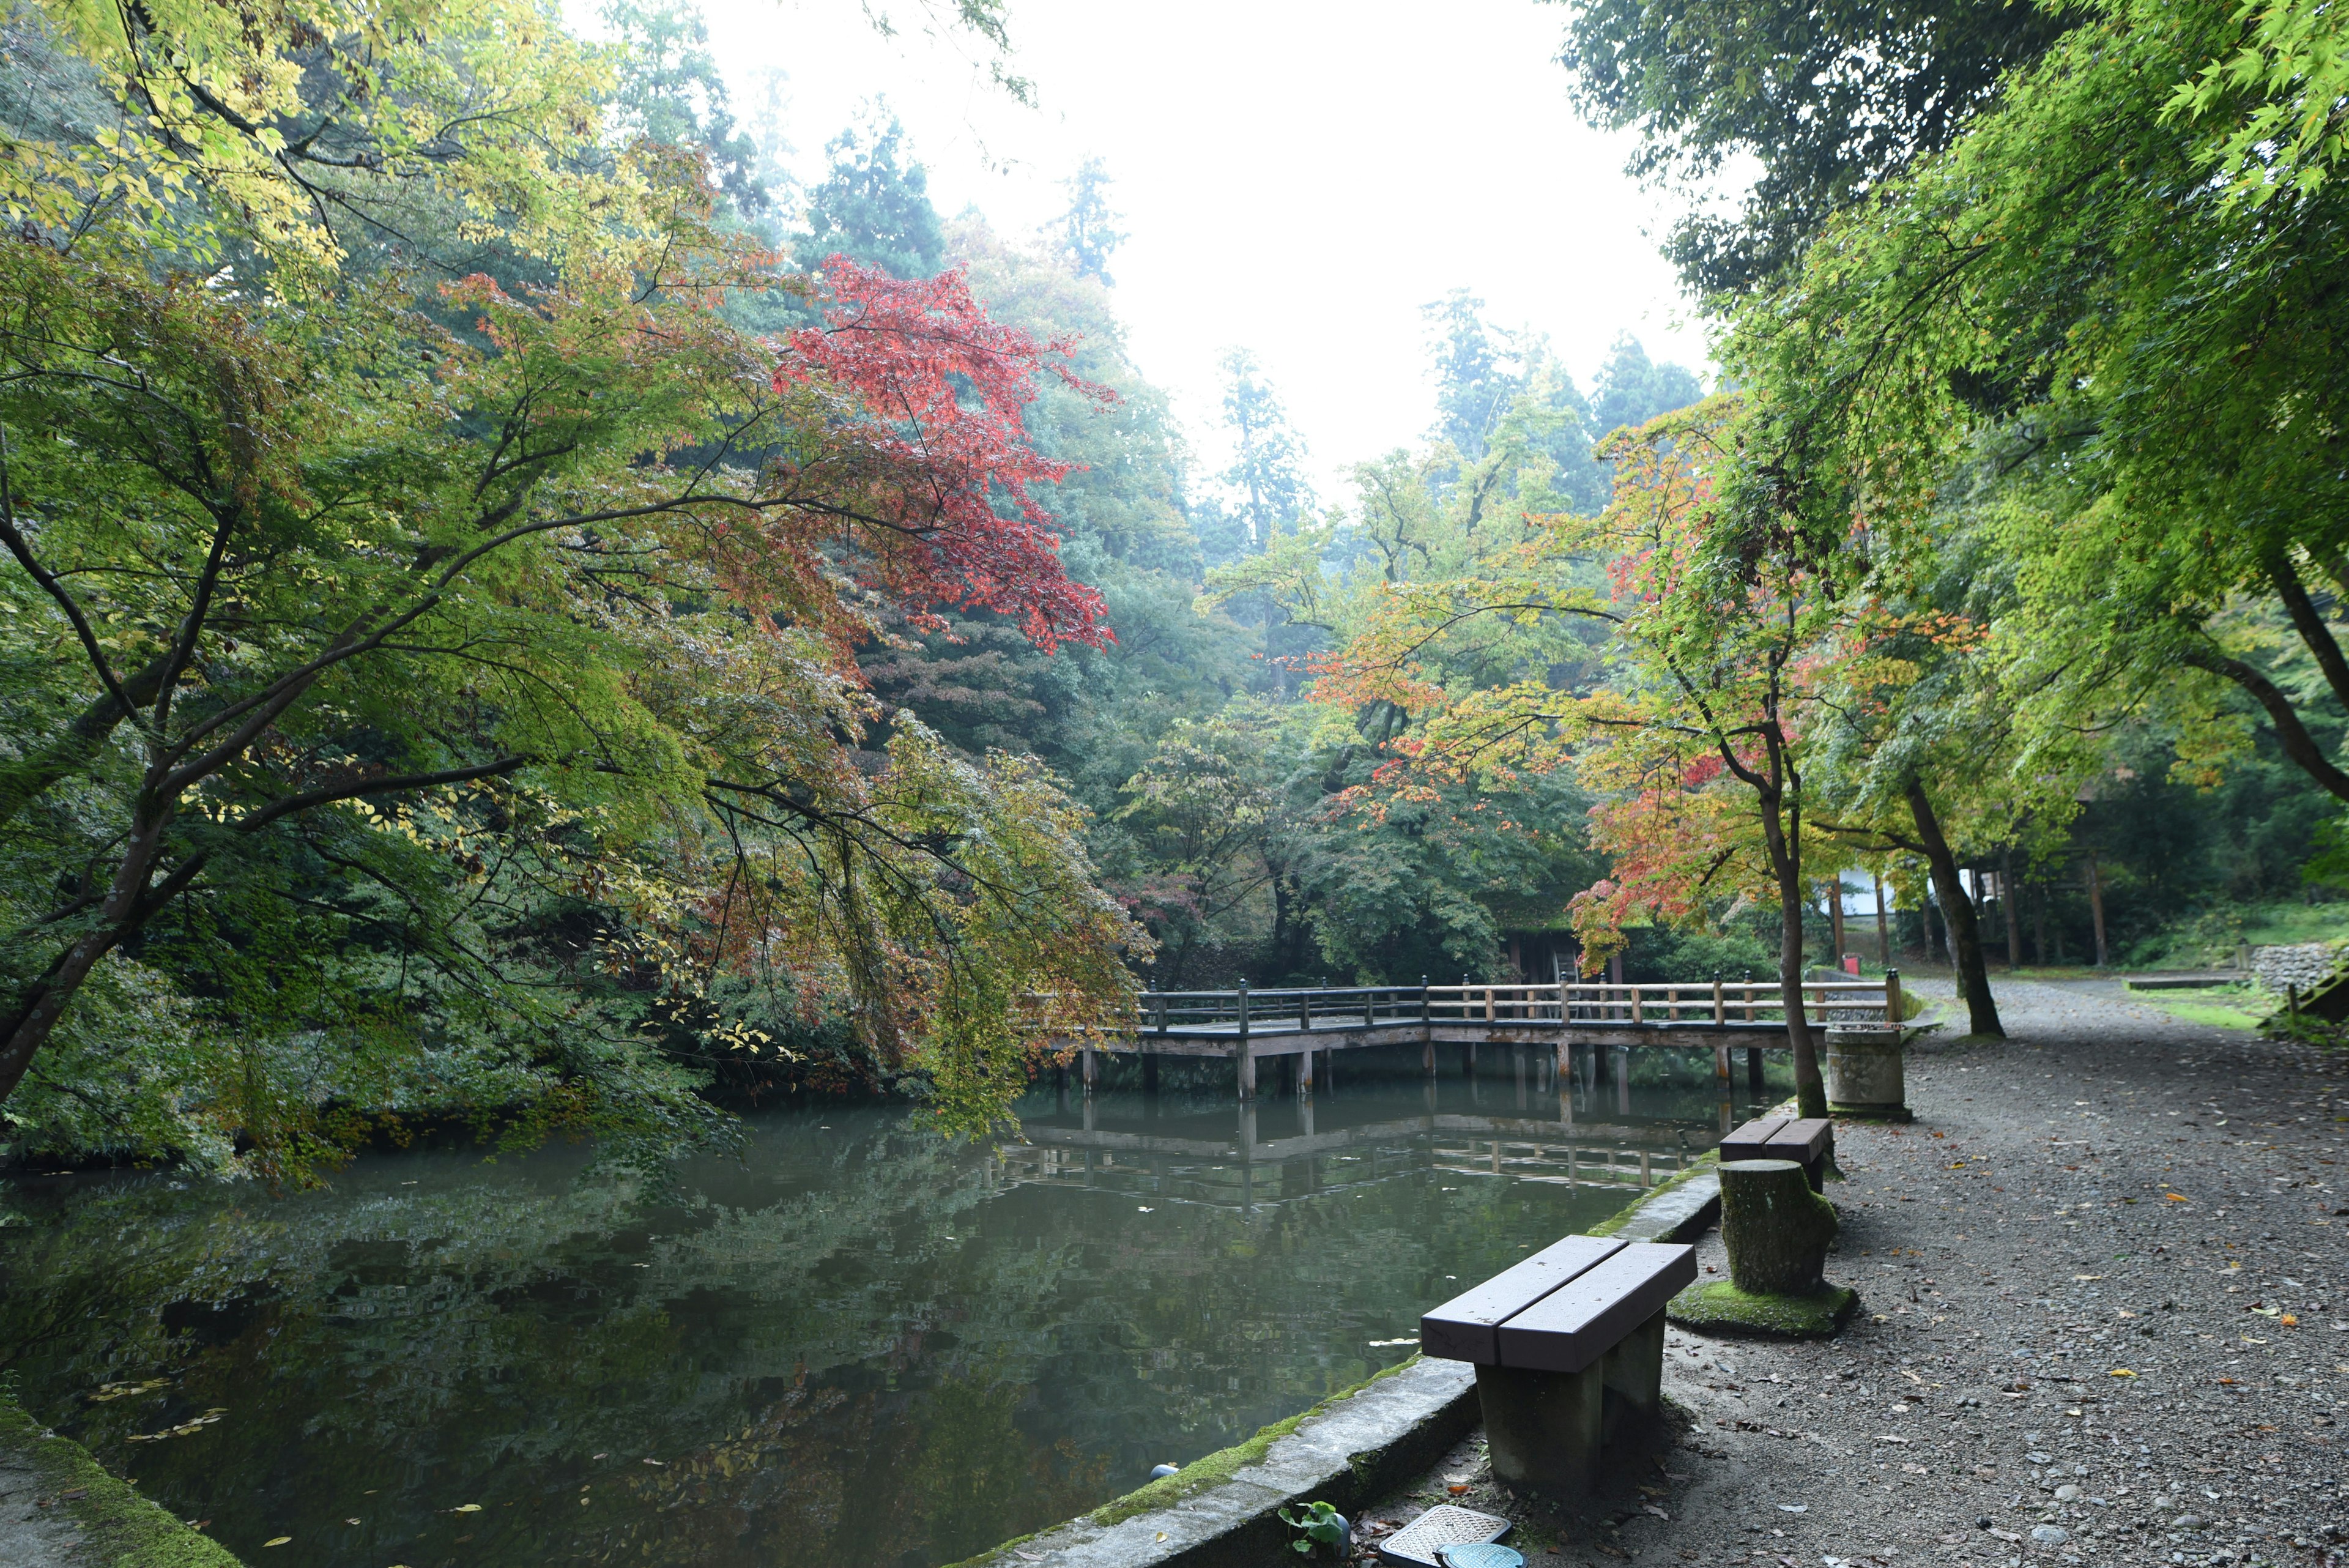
x,y
2104,1318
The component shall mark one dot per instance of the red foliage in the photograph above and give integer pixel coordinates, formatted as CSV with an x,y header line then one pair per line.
x,y
936,468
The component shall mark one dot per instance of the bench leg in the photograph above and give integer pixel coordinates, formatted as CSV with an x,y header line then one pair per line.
x,y
1543,1428
1634,1372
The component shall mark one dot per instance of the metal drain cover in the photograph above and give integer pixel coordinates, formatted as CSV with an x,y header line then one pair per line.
x,y
1445,1524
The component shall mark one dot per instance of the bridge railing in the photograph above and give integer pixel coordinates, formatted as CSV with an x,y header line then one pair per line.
x,y
1310,1007
1828,1001
1594,1002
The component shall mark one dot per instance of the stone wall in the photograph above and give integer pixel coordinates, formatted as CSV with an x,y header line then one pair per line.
x,y
2306,965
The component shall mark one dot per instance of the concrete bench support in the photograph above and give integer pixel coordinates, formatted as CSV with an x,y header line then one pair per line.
x,y
1569,1347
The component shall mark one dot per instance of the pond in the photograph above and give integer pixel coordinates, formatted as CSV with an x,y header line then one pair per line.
x,y
849,1341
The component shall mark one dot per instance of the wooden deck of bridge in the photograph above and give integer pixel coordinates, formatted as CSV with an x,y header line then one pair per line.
x,y
1246,1026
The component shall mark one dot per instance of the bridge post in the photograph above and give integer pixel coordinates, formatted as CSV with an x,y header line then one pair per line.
x,y
1720,1008
1753,1069
1305,1073
1150,1072
1092,1067
1427,1051
1246,1057
1893,1007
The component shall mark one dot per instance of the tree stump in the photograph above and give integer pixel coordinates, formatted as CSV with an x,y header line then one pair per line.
x,y
1775,1228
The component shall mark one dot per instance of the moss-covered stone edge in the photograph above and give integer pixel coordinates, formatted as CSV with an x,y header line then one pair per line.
x,y
121,1528
1719,1307
1224,1464
1703,1163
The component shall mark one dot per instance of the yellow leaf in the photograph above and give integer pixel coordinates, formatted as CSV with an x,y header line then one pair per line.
x,y
2122,1372
279,1541
467,1508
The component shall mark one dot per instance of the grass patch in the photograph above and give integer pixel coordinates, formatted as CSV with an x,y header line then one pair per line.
x,y
2226,1007
120,1527
1722,1308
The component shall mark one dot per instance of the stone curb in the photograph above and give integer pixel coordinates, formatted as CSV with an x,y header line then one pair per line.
x,y
1364,1445
1679,1212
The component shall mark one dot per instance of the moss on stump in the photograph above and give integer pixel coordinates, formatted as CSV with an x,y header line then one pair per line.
x,y
1775,1228
1722,1308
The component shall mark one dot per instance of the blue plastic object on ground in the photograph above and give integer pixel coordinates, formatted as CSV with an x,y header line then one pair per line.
x,y
1480,1554
1160,1472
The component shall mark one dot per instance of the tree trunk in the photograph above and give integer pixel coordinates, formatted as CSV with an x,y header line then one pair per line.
x,y
1958,915
2008,915
1776,1230
1785,856
1883,929
2097,908
1835,918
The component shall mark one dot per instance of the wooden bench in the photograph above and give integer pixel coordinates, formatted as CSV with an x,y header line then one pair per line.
x,y
1569,1347
1806,1142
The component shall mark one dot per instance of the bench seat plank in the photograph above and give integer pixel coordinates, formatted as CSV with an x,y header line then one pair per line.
x,y
1462,1328
1747,1142
1805,1141
1585,1318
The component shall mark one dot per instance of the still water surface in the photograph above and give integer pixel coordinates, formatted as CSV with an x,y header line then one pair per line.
x,y
853,1343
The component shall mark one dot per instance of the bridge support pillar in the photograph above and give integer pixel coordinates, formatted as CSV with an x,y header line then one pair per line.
x,y
1305,1074
1753,1069
1150,1072
1092,1063
1621,1068
1246,1062
1427,1058
1468,1062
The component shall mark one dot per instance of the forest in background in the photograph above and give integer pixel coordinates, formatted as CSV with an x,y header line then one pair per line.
x,y
554,626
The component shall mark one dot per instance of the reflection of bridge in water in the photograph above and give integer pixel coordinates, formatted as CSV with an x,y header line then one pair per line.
x,y
1558,1026
1195,1162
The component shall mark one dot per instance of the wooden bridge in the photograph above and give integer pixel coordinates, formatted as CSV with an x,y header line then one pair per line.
x,y
1246,1026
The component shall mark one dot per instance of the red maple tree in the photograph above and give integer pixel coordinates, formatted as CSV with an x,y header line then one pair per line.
x,y
930,460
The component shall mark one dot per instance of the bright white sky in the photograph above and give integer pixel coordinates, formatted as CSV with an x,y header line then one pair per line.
x,y
1295,176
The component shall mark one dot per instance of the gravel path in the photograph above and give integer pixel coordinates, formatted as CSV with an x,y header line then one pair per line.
x,y
2104,1318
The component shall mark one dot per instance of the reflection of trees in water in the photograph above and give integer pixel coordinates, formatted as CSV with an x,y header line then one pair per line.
x,y
866,1348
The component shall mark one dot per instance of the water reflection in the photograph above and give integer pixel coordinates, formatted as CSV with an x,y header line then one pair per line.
x,y
856,1345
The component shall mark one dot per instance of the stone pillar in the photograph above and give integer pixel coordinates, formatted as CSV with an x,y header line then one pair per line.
x,y
1634,1372
1543,1428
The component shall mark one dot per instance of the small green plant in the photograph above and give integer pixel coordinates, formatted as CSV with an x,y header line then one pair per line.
x,y
1320,1525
